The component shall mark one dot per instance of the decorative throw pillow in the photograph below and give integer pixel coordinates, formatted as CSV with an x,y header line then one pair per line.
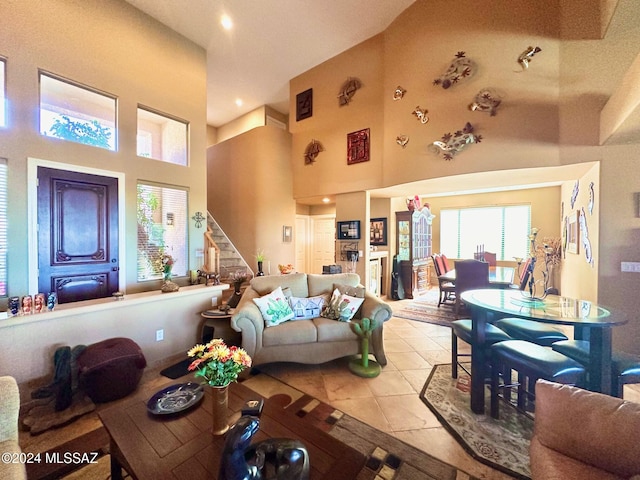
x,y
274,307
357,292
341,307
306,308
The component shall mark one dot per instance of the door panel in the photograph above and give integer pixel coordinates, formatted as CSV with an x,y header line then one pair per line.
x,y
77,234
324,243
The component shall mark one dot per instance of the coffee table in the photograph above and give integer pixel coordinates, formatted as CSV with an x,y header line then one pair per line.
x,y
182,446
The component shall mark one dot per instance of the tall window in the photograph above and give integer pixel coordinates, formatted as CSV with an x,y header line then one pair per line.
x,y
77,114
162,229
161,137
3,95
3,227
503,230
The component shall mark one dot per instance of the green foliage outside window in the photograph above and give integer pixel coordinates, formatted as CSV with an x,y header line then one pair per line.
x,y
89,133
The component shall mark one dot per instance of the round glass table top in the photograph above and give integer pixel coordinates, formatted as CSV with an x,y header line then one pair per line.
x,y
551,309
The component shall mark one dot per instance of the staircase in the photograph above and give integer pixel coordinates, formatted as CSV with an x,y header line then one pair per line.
x,y
229,259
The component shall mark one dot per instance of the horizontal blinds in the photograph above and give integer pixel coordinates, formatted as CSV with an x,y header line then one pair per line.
x,y
3,227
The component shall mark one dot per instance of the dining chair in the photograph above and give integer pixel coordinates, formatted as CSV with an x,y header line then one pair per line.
x,y
445,262
447,288
470,275
490,258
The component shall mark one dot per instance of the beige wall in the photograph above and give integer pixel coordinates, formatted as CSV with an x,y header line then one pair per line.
x,y
250,193
112,47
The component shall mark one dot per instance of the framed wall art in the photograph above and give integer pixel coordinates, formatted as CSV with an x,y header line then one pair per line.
x,y
573,232
349,230
304,105
358,146
378,231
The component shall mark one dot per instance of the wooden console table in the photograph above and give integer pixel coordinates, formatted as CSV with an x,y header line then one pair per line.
x,y
182,447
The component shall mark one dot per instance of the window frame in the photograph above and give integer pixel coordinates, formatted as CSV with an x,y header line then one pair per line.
x,y
78,115
181,266
3,93
4,227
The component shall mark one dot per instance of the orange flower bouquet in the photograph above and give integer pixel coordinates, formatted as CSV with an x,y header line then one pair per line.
x,y
217,364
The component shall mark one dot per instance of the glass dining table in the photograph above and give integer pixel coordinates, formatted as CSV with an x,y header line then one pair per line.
x,y
590,322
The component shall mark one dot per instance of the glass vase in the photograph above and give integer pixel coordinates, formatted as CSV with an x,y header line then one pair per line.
x,y
219,403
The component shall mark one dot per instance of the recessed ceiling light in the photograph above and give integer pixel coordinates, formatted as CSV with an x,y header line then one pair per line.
x,y
226,22
325,200
238,102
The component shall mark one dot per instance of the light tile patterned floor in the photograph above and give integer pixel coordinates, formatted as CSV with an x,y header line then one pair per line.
x,y
390,402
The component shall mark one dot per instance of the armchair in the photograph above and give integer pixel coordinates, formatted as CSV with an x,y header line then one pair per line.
x,y
9,410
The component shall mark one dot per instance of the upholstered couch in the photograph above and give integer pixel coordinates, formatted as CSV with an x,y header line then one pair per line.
x,y
581,435
9,410
311,341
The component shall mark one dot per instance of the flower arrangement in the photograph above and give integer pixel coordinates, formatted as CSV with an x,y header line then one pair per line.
x,y
550,251
217,364
238,277
167,265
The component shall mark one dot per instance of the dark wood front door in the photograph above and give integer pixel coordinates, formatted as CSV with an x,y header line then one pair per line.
x,y
77,234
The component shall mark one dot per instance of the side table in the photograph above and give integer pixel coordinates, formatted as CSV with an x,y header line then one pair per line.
x,y
217,324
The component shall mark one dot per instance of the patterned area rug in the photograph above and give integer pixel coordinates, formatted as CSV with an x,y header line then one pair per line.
x,y
425,309
503,444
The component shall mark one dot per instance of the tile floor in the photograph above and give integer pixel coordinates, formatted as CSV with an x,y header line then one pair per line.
x,y
390,402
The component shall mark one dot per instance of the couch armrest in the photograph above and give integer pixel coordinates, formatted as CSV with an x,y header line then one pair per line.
x,y
374,308
9,409
247,320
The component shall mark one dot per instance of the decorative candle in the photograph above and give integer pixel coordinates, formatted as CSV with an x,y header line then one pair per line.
x,y
211,265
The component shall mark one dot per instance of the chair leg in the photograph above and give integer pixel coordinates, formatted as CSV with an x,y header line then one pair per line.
x,y
495,386
617,386
454,355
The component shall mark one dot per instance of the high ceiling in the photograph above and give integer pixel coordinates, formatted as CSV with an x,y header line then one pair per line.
x,y
271,42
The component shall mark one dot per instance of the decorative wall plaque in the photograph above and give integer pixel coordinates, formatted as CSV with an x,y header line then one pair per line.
x,y
358,147
304,105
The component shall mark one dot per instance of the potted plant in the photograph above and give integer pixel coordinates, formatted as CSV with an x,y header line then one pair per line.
x,y
260,258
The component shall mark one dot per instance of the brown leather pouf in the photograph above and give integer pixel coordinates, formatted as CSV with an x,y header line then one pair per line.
x,y
110,369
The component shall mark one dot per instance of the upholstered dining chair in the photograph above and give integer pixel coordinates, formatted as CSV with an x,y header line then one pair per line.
x,y
490,258
470,275
447,288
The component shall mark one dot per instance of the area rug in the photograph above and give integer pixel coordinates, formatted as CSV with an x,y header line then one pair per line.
x,y
425,309
502,444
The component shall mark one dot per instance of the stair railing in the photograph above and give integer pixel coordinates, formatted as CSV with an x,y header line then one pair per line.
x,y
211,224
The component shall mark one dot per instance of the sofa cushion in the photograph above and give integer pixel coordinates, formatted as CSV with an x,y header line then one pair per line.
x,y
290,333
350,290
332,331
274,307
319,284
341,307
297,282
307,308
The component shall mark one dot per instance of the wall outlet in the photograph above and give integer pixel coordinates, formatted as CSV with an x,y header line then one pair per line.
x,y
159,335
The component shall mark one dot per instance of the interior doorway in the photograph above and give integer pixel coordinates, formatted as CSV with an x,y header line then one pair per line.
x,y
323,242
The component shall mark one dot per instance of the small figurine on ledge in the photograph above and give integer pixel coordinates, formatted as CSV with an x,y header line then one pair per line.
x,y
211,278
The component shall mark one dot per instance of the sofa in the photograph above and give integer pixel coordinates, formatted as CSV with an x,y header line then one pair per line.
x,y
580,435
311,341
13,469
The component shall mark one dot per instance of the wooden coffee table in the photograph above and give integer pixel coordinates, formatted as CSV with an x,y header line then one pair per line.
x,y
182,446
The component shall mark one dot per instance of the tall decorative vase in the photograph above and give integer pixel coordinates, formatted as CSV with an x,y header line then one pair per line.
x,y
260,272
219,402
237,294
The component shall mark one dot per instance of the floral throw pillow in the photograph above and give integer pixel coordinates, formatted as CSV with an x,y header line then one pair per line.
x,y
341,307
307,308
274,307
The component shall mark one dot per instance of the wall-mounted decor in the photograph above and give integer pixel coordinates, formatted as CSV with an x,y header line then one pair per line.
x,y
358,146
459,69
349,230
573,232
348,90
349,253
378,231
312,151
584,235
526,56
453,143
198,218
574,193
592,198
304,105
421,114
399,93
402,140
287,233
486,100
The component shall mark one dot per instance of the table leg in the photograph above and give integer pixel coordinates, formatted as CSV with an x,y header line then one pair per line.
x,y
600,359
116,468
478,359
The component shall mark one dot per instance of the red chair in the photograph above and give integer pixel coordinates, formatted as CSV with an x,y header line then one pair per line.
x,y
445,262
447,289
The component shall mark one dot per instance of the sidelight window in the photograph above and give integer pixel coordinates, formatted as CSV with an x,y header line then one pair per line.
x,y
3,227
162,229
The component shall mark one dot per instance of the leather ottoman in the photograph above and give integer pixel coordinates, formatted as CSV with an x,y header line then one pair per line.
x,y
110,369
